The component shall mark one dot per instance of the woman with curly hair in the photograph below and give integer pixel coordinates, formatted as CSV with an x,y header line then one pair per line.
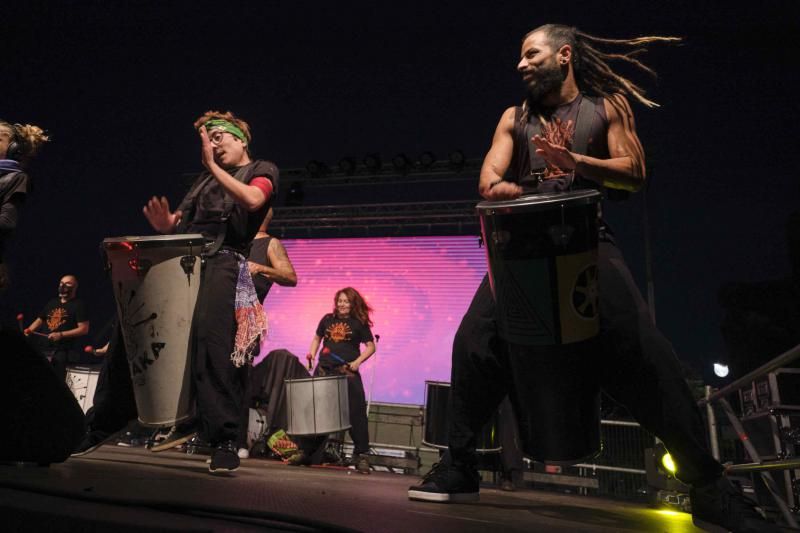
x,y
18,143
342,333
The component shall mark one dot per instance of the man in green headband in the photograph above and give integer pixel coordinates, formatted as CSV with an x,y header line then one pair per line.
x,y
227,204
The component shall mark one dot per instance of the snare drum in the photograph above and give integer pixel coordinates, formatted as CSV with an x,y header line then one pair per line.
x,y
317,406
82,381
542,257
437,401
156,282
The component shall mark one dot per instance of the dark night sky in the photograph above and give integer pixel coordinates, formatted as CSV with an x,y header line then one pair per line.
x,y
118,86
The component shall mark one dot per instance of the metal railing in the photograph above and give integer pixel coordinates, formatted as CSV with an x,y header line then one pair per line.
x,y
764,468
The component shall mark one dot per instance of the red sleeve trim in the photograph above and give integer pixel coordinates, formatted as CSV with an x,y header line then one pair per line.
x,y
264,185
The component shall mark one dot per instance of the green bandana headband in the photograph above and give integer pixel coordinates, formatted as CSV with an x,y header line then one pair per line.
x,y
219,124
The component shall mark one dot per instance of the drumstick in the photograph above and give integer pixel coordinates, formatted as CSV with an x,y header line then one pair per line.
x,y
36,333
19,321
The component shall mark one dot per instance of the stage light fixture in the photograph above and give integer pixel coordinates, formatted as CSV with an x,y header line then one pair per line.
x,y
721,370
426,159
316,168
372,162
401,163
669,464
347,165
457,159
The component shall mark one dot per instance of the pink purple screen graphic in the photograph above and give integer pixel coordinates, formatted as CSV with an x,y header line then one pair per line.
x,y
419,288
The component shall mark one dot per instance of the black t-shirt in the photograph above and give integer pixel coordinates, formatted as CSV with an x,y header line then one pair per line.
x,y
343,337
57,316
208,206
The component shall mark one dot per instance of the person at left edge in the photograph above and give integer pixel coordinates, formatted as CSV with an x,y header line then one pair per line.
x,y
18,144
246,186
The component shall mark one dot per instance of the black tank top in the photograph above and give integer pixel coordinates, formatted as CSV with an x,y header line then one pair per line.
x,y
597,145
258,254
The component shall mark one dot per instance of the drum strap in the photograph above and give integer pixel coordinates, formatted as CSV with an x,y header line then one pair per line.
x,y
580,139
189,203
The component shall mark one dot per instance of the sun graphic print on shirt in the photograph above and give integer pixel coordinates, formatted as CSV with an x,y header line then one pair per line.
x,y
339,332
57,318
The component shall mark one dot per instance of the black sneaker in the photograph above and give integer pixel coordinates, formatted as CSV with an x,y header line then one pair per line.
x,y
720,506
447,483
92,440
224,459
362,464
176,436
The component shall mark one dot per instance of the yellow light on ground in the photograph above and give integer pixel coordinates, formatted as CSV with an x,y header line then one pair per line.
x,y
668,463
666,512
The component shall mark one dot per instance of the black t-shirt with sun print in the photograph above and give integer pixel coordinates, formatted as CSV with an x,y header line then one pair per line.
x,y
343,337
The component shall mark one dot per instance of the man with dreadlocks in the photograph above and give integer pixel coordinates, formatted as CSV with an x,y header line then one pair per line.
x,y
569,82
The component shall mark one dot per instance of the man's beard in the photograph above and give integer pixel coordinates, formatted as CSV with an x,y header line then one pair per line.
x,y
547,81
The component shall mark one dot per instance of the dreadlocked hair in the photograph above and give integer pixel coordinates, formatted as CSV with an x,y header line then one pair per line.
x,y
590,63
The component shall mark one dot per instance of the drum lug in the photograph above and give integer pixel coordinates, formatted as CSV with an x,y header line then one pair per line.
x,y
187,263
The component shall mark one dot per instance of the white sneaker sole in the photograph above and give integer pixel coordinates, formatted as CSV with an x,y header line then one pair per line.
x,y
443,497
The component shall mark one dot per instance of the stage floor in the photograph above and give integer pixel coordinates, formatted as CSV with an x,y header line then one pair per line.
x,y
132,489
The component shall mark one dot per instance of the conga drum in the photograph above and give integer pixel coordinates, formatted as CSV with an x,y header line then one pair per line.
x,y
317,406
542,258
436,418
156,281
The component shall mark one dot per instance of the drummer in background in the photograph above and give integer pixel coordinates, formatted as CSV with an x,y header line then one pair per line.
x,y
18,143
268,263
60,325
565,70
342,333
227,204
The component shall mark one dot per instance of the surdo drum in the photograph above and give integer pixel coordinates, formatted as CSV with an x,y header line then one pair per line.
x,y
542,257
317,406
156,281
437,400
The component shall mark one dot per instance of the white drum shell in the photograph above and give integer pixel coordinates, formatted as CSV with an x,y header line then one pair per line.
x,y
155,302
317,406
82,381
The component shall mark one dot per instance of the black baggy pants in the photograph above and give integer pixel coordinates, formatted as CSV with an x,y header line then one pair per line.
x,y
639,369
218,385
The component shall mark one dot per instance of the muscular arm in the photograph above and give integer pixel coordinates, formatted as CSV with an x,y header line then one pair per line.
x,y
625,169
281,272
491,185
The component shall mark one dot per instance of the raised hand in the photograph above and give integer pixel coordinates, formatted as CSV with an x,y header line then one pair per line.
x,y
206,149
157,213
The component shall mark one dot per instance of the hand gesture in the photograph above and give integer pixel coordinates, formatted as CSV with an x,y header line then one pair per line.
x,y
353,366
254,268
206,149
555,155
158,215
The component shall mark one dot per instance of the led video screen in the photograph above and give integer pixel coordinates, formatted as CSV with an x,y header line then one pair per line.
x,y
419,288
